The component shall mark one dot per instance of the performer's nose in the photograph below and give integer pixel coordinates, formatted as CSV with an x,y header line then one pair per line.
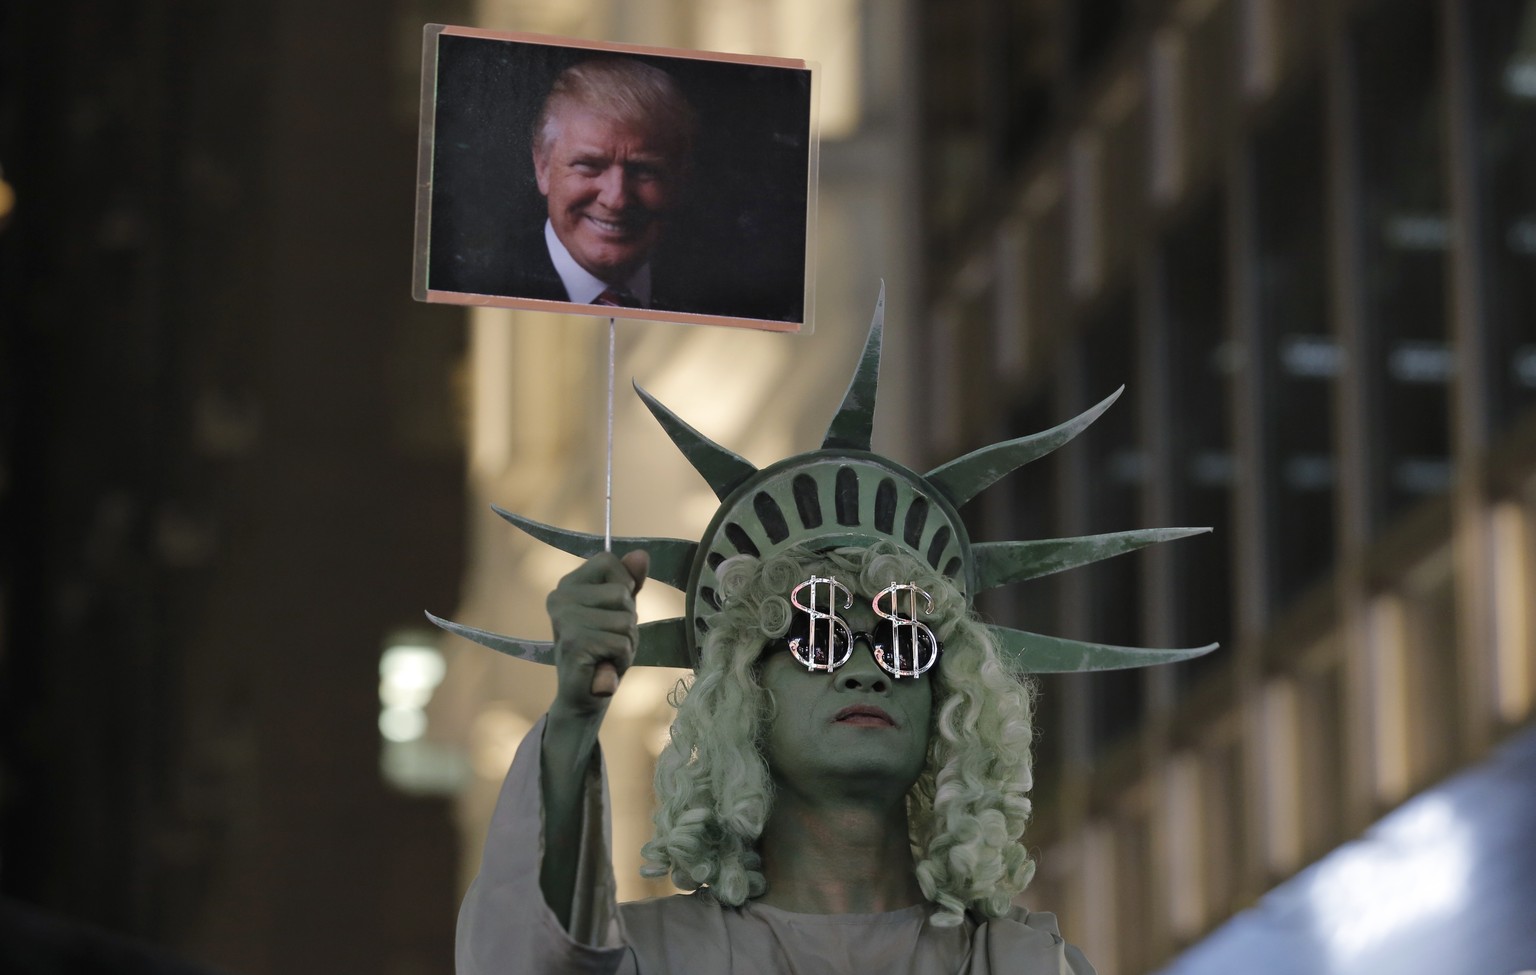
x,y
860,672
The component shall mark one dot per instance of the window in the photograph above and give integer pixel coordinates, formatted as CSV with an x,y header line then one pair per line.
x,y
1200,360
1045,301
955,159
1021,55
1209,80
1116,473
1408,361
1122,184
1033,512
1503,40
1299,358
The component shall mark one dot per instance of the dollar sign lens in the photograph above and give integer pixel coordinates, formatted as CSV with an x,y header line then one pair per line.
x,y
905,632
826,646
903,645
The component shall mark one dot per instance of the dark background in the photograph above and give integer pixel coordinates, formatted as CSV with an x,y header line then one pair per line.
x,y
739,232
230,467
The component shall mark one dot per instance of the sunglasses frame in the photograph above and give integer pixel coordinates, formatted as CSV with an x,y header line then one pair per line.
x,y
887,658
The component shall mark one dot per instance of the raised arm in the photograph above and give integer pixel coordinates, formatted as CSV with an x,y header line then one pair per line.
x,y
593,613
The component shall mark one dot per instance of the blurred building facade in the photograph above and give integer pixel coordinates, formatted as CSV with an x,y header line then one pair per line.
x,y
1299,232
230,468
238,460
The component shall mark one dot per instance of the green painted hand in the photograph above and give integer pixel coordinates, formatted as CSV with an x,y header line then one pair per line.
x,y
593,613
596,630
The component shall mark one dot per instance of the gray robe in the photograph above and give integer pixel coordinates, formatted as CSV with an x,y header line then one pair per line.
x,y
505,928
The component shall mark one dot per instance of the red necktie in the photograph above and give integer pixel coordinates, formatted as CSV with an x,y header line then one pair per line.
x,y
616,298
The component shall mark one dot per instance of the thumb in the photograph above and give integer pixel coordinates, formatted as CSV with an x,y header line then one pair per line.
x,y
638,563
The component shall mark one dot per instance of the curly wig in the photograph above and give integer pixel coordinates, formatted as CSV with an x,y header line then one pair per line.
x,y
967,809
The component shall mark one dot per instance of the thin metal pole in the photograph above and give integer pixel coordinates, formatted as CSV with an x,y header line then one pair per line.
x,y
605,679
608,491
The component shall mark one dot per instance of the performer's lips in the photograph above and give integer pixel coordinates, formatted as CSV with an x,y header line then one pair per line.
x,y
865,716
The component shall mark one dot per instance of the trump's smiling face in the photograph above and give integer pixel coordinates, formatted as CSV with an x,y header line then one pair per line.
x,y
609,186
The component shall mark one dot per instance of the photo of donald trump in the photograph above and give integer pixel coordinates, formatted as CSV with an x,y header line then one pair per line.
x,y
611,152
568,178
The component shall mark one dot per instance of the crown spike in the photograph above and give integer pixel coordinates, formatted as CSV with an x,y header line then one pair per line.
x,y
854,423
671,558
999,563
722,468
1033,653
661,643
664,643
538,651
964,477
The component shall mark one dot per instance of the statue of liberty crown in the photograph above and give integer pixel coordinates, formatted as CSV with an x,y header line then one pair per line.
x,y
843,495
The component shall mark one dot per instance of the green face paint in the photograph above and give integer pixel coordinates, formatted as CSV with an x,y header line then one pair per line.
x,y
857,727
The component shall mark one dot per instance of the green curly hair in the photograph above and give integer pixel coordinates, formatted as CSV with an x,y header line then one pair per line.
x,y
969,806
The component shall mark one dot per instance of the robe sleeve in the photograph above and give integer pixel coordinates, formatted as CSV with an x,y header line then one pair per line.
x,y
505,928
1025,941
1072,961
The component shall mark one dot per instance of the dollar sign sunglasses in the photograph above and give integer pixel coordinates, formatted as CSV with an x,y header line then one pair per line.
x,y
821,640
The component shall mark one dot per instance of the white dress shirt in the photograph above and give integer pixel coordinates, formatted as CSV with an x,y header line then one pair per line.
x,y
585,288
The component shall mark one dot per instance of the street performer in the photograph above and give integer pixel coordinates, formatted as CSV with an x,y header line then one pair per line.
x,y
846,783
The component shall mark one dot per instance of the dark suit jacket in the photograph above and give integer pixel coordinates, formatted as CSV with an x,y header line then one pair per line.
x,y
526,271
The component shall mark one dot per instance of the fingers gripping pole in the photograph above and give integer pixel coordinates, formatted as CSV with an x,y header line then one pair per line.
x,y
605,680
